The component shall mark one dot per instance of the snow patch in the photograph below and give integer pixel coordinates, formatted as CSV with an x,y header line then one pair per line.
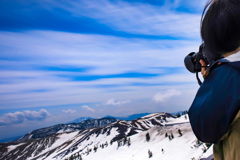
x,y
12,147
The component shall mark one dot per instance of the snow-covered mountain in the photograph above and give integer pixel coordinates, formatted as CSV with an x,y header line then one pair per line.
x,y
158,136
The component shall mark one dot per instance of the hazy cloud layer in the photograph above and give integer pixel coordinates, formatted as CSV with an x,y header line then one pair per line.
x,y
161,97
21,117
88,108
114,102
70,111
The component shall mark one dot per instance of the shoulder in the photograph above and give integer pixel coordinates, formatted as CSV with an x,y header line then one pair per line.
x,y
223,71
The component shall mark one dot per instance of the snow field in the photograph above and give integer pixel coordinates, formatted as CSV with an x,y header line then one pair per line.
x,y
179,148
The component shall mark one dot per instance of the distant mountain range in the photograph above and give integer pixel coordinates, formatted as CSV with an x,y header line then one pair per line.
x,y
80,119
127,118
131,117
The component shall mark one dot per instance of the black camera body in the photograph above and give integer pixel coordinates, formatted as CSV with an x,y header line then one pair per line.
x,y
191,61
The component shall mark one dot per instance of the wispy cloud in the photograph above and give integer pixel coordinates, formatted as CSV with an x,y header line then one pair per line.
x,y
88,108
114,102
30,71
70,111
139,18
21,117
161,97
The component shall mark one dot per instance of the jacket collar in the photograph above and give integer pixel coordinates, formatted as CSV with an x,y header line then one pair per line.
x,y
234,57
233,60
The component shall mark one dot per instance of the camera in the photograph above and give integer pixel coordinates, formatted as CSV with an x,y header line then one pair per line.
x,y
191,61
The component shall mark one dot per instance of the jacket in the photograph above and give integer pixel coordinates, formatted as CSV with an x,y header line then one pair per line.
x,y
214,114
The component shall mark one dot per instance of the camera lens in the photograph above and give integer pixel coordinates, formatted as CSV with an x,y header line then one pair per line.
x,y
190,62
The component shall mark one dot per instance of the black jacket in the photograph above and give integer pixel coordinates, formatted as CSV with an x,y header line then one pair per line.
x,y
217,102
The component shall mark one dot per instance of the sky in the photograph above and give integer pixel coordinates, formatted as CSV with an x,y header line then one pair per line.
x,y
65,59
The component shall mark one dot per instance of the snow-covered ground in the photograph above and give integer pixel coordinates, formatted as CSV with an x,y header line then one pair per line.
x,y
62,139
183,147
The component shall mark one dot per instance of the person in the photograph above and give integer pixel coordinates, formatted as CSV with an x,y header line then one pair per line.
x,y
215,112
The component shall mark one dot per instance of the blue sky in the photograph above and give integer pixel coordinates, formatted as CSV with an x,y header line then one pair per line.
x,y
60,60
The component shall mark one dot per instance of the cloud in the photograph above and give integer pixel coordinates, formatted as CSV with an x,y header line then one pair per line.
x,y
175,18
21,117
161,97
88,108
139,18
70,111
58,87
112,101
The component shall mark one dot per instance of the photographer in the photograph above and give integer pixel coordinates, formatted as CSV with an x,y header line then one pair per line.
x,y
214,114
